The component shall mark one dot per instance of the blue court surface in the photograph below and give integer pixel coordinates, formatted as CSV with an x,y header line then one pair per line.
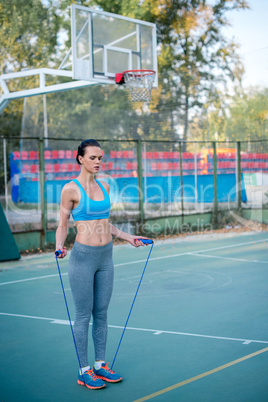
x,y
198,330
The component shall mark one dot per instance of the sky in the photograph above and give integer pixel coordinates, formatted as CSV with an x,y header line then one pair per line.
x,y
249,28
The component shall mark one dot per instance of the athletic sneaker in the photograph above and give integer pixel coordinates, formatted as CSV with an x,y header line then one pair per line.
x,y
107,374
90,380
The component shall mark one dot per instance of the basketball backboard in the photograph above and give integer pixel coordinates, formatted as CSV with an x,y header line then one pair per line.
x,y
104,44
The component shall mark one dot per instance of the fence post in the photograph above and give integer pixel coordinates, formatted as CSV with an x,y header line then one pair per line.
x,y
238,174
43,195
181,177
140,180
215,206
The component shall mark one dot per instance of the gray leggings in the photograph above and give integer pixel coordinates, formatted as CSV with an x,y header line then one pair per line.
x,y
91,274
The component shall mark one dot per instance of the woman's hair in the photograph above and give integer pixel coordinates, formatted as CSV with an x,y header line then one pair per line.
x,y
82,148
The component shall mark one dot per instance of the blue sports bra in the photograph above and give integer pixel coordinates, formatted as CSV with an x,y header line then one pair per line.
x,y
89,209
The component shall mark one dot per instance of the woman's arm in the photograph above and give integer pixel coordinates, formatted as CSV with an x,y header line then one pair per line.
x,y
65,210
134,240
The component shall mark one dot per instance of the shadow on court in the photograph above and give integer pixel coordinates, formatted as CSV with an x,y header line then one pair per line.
x,y
198,330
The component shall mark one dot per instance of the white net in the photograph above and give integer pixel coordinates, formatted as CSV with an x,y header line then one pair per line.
x,y
139,83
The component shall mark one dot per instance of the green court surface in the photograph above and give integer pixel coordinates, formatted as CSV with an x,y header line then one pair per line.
x,y
198,330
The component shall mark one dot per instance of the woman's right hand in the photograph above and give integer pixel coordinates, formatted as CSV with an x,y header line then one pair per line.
x,y
63,251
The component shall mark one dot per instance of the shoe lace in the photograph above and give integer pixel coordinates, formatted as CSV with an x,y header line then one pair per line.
x,y
92,374
108,369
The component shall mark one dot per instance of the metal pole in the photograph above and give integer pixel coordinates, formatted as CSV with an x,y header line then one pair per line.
x,y
182,207
5,175
45,120
195,178
145,173
43,195
238,174
215,209
140,183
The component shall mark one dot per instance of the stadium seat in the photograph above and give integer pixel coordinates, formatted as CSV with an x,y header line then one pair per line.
x,y
54,154
48,168
70,167
24,155
63,167
34,168
47,154
69,154
16,155
61,154
32,155
56,168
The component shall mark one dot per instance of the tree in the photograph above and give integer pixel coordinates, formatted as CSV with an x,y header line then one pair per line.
x,y
241,117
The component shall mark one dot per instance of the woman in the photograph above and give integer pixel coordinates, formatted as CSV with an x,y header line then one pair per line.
x,y
90,264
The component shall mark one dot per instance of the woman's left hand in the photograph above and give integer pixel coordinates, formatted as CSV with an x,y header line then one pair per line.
x,y
134,241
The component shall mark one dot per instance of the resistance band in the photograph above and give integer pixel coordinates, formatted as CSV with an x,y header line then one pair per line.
x,y
145,241
57,253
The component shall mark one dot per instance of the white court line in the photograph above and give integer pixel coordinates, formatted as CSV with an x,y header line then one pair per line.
x,y
151,259
228,258
154,331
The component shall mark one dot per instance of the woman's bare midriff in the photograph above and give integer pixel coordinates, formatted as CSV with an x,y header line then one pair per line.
x,y
93,233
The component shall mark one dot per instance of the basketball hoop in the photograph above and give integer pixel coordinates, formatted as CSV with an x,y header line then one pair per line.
x,y
138,82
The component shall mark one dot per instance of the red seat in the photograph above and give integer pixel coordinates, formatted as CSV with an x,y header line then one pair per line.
x,y
112,154
165,165
61,154
32,155
54,154
47,154
129,165
63,167
48,168
24,155
34,168
77,167
70,167
56,167
74,154
69,154
16,155
110,165
125,154
153,166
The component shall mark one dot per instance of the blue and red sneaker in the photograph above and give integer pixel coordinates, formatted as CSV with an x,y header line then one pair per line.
x,y
90,380
107,374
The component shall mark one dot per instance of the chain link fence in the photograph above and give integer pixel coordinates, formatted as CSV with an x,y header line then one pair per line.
x,y
148,179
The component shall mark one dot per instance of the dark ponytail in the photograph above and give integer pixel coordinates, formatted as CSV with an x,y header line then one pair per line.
x,y
82,148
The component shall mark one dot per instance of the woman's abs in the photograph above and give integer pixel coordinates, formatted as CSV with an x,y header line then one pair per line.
x,y
93,233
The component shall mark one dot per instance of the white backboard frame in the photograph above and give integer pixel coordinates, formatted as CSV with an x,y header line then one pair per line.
x,y
83,67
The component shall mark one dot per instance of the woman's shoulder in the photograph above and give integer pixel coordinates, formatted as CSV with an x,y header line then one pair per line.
x,y
69,189
105,185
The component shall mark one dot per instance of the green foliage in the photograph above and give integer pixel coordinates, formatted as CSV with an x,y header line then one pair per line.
x,y
242,117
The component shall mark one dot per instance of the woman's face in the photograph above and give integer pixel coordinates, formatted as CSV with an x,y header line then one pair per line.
x,y
91,160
